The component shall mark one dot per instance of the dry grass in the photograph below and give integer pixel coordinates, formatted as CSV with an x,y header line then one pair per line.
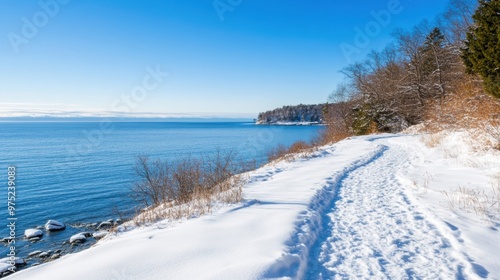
x,y
467,108
277,153
334,132
492,128
299,149
188,187
483,203
432,140
202,202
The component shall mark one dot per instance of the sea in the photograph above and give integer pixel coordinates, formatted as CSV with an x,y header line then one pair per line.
x,y
81,173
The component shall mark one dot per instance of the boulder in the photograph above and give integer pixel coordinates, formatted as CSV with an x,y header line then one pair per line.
x,y
105,225
18,261
5,268
44,255
78,238
32,233
34,253
99,234
5,239
53,225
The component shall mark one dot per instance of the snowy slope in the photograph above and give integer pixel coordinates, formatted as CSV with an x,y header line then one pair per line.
x,y
356,209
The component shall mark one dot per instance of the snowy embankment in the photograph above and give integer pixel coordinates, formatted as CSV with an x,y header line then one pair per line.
x,y
383,206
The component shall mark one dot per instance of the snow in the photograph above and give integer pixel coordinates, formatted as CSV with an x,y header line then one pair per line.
x,y
289,123
106,224
99,234
5,267
34,253
53,225
367,207
33,232
16,260
79,237
44,254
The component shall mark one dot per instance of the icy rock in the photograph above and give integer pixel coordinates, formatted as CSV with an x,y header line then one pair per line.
x,y
105,225
4,268
32,233
53,225
99,234
44,255
79,237
5,239
18,261
34,253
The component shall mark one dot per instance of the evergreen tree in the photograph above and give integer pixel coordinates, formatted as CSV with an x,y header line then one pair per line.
x,y
481,54
434,45
438,59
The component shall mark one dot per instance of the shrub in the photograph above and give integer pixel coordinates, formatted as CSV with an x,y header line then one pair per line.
x,y
276,153
281,152
186,187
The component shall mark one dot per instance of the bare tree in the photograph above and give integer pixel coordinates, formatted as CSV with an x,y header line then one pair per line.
x,y
156,185
339,113
166,182
458,19
409,45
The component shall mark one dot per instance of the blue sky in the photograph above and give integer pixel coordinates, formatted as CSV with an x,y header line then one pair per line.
x,y
93,56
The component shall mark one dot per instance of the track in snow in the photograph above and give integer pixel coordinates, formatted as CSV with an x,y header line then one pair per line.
x,y
363,226
373,231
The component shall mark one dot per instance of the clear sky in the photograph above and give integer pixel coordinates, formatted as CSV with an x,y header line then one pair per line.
x,y
223,57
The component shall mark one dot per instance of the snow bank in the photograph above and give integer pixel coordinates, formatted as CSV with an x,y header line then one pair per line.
x,y
373,206
290,123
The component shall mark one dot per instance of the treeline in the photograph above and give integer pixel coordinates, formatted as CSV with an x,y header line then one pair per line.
x,y
413,76
299,113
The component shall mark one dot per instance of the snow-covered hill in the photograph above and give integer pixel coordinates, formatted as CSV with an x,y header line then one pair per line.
x,y
374,207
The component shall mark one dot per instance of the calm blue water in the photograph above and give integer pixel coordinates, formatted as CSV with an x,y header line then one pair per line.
x,y
78,172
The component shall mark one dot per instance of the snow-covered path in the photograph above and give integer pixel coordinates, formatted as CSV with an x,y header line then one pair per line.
x,y
344,213
374,232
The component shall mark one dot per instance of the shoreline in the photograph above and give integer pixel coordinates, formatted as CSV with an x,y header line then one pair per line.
x,y
53,245
291,124
71,174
